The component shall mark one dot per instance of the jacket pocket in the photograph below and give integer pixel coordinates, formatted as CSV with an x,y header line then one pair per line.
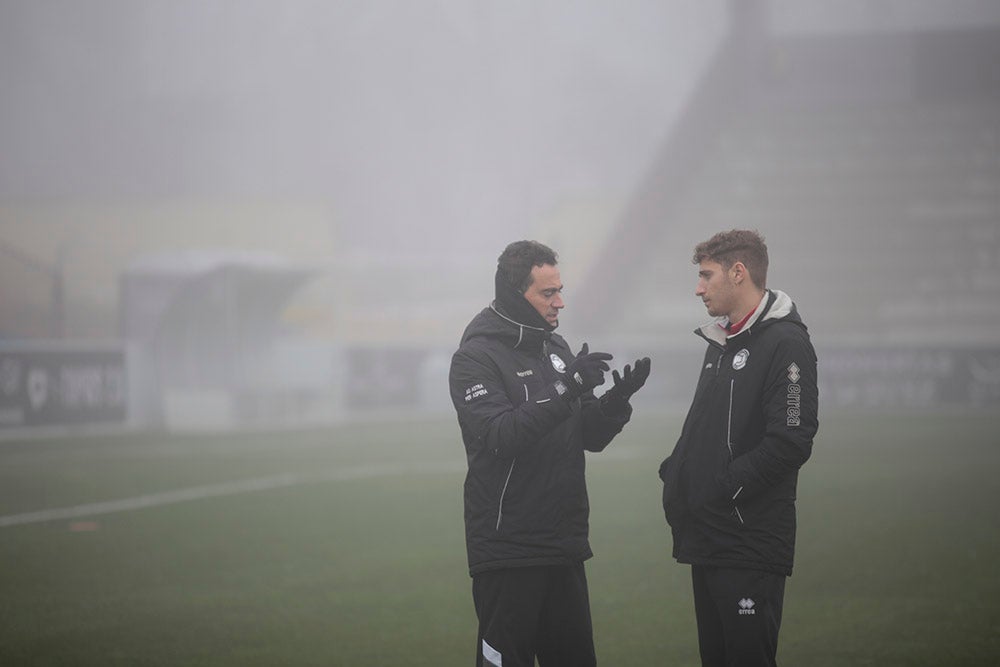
x,y
736,507
529,388
502,494
674,504
738,515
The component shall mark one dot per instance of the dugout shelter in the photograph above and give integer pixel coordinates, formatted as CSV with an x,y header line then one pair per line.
x,y
204,326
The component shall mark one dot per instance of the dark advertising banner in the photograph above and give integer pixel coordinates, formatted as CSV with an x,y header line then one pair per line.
x,y
53,387
873,378
924,378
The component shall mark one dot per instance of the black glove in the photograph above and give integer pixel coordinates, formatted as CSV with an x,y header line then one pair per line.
x,y
586,371
629,382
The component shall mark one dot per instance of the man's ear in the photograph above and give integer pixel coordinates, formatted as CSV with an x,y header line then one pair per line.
x,y
738,272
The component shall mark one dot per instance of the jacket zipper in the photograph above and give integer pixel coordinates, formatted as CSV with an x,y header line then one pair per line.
x,y
729,445
729,421
510,471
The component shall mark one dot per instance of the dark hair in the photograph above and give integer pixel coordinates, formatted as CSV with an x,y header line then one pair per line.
x,y
737,245
518,258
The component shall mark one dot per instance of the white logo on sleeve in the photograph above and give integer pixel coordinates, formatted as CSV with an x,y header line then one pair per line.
x,y
746,607
475,391
793,373
794,396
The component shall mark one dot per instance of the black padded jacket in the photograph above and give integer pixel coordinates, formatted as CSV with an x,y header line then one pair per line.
x,y
729,486
525,492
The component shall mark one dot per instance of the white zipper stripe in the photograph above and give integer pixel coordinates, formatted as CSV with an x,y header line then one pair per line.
x,y
729,444
729,423
503,493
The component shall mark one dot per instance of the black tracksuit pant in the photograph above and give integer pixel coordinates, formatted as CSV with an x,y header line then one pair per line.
x,y
739,615
529,612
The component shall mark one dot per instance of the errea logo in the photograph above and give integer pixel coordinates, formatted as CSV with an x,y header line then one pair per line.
x,y
793,372
794,401
746,607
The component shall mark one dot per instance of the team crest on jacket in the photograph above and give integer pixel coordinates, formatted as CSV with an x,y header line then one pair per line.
x,y
740,360
557,363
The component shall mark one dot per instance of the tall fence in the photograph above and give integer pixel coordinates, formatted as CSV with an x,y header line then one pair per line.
x,y
67,386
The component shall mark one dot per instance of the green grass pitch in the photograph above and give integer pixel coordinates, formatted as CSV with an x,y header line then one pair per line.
x,y
354,553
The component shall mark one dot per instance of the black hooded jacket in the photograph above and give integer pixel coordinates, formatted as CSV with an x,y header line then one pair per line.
x,y
525,493
729,486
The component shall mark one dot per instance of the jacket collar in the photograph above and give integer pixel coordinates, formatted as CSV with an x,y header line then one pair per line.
x,y
774,305
527,336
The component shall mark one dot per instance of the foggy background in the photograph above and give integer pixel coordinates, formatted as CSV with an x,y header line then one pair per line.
x,y
219,214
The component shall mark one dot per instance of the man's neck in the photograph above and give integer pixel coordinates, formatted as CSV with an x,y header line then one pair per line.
x,y
747,306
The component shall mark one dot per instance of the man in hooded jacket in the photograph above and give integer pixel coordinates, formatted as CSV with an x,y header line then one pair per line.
x,y
729,486
527,413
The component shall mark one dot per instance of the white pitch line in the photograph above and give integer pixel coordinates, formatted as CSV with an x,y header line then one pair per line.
x,y
225,489
250,486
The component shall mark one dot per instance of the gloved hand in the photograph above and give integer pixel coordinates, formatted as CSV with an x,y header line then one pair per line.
x,y
628,382
586,371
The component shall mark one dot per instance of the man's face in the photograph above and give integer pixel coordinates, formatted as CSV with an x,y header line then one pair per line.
x,y
715,288
544,293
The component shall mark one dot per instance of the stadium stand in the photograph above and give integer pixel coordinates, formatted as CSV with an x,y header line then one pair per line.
x,y
870,162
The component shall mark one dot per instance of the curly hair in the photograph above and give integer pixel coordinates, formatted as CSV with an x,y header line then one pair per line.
x,y
737,245
518,258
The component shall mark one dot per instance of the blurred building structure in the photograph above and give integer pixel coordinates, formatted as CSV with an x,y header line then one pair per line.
x,y
871,162
862,138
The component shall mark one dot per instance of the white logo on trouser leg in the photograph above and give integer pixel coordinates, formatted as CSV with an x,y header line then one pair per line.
x,y
746,607
491,656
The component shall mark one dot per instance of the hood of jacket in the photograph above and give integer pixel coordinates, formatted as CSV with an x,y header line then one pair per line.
x,y
510,318
491,323
774,306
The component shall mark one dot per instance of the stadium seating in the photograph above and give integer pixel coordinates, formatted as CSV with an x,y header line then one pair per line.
x,y
873,175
